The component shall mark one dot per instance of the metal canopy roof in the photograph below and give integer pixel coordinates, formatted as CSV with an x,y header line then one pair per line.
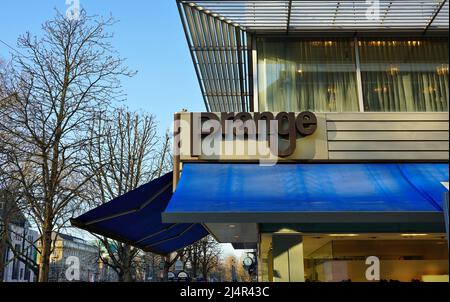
x,y
219,34
300,15
221,57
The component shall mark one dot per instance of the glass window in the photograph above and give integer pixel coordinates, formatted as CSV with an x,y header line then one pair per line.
x,y
298,75
406,260
404,75
16,263
342,257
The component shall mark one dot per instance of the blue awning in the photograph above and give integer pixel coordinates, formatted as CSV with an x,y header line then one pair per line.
x,y
135,218
312,193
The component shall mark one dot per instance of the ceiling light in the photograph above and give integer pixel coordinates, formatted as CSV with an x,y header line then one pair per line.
x,y
393,70
231,226
413,235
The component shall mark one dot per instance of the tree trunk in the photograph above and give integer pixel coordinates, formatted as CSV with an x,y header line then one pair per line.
x,y
3,247
44,266
126,271
167,265
127,276
205,273
194,270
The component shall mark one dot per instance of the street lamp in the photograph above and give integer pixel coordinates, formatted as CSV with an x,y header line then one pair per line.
x,y
233,271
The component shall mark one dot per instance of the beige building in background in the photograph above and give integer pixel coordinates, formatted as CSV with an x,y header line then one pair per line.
x,y
66,246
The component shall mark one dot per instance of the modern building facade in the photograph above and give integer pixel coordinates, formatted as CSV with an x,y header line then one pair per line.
x,y
324,143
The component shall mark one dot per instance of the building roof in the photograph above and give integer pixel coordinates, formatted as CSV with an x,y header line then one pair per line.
x,y
219,34
67,237
301,15
221,58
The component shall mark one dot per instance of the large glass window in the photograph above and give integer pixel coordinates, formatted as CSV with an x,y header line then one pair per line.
x,y
342,257
404,75
321,76
302,75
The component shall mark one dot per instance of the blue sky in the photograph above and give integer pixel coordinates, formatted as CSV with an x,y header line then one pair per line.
x,y
149,35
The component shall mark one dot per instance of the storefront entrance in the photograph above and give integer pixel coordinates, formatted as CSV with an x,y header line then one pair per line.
x,y
354,257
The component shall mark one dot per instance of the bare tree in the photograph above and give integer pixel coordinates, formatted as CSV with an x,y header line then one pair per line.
x,y
210,252
60,83
234,270
170,259
203,256
11,213
229,268
193,255
125,152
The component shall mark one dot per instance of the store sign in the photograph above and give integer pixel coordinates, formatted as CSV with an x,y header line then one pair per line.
x,y
280,130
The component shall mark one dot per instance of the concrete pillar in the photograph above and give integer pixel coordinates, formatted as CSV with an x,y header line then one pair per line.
x,y
287,249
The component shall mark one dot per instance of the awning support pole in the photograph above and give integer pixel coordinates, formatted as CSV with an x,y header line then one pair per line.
x,y
176,150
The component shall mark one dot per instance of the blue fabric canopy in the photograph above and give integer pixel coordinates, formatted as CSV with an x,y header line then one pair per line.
x,y
313,192
135,218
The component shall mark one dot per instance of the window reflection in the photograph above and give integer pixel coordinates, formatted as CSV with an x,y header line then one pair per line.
x,y
396,75
404,75
338,258
307,75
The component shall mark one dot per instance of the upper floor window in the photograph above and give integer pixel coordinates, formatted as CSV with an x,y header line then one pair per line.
x,y
306,75
322,76
404,75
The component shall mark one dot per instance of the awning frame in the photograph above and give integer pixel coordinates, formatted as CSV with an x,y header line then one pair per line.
x,y
305,217
412,203
165,183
